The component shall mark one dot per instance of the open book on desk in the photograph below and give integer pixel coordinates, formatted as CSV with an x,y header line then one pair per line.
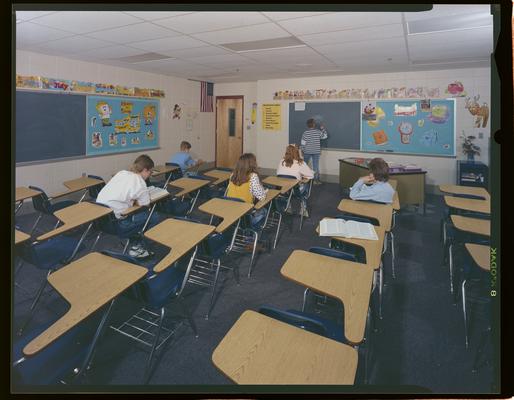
x,y
156,193
347,229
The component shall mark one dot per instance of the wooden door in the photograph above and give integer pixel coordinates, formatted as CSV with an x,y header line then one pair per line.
x,y
229,130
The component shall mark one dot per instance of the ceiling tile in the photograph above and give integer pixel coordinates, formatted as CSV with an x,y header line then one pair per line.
x,y
297,53
347,50
466,37
153,15
203,51
168,44
28,15
112,52
28,33
223,60
74,44
279,15
354,35
133,33
212,21
338,21
446,10
243,34
86,21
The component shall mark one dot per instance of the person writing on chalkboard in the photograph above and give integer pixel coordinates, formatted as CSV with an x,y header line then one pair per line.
x,y
374,186
311,145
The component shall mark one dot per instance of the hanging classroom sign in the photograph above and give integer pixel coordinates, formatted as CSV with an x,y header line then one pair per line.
x,y
271,117
424,127
121,124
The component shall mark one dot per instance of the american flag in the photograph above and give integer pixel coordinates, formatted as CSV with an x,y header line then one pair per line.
x,y
207,91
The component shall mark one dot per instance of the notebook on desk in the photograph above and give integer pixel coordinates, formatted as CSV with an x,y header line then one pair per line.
x,y
156,192
347,229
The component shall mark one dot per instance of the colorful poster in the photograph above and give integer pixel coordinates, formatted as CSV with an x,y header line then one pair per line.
x,y
414,127
118,124
271,117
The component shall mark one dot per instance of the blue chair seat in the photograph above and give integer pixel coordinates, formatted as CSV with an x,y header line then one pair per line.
x,y
55,361
61,204
50,253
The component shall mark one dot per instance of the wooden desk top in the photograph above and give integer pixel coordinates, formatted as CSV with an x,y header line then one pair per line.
x,y
285,184
373,248
382,212
221,176
480,255
393,183
229,210
458,189
87,284
396,200
75,216
473,225
262,350
23,193
81,183
180,236
481,206
163,169
134,208
188,185
20,237
270,195
347,281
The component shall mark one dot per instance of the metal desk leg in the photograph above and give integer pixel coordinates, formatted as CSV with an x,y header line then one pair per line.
x,y
149,216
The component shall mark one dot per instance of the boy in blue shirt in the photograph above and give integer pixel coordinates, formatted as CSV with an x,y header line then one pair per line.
x,y
374,186
183,158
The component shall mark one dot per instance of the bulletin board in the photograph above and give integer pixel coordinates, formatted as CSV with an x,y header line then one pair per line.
x,y
116,124
424,127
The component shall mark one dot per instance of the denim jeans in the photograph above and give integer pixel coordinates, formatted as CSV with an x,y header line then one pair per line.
x,y
315,163
135,222
257,218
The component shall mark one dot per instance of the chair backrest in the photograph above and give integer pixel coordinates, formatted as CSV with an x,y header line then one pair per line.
x,y
302,322
224,169
286,176
233,199
94,190
41,202
333,253
176,174
358,218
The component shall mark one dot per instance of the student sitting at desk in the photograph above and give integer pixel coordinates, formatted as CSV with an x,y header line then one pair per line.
x,y
122,191
293,164
183,158
374,186
244,184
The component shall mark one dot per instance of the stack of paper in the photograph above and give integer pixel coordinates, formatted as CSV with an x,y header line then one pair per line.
x,y
347,229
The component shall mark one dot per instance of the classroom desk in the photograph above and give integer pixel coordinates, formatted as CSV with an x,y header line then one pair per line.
x,y
382,212
470,190
20,237
411,184
75,216
164,169
219,175
264,351
180,236
229,210
480,254
348,281
23,193
188,185
270,195
396,199
479,206
472,225
285,184
76,185
372,248
87,284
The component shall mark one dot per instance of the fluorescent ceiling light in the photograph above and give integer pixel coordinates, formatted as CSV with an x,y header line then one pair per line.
x,y
145,57
262,45
450,23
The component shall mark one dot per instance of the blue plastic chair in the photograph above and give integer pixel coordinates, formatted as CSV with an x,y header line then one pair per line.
x,y
94,190
48,255
58,362
42,204
156,292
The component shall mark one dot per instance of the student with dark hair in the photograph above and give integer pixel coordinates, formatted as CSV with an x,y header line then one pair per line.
x,y
311,145
374,186
183,158
244,184
124,190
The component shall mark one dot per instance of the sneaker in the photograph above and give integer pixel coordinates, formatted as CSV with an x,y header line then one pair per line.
x,y
139,252
305,213
317,182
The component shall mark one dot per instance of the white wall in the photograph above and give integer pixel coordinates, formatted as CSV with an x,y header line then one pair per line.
x,y
269,146
49,176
